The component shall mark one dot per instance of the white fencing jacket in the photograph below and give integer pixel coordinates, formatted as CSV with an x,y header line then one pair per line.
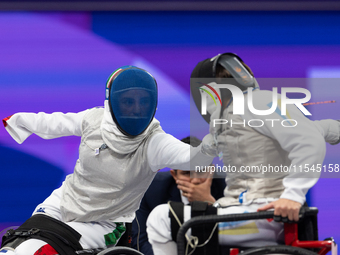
x,y
253,143
108,183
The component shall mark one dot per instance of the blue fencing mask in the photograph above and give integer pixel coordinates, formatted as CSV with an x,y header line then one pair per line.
x,y
132,96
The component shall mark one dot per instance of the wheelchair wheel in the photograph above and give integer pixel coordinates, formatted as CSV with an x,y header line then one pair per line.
x,y
120,251
278,249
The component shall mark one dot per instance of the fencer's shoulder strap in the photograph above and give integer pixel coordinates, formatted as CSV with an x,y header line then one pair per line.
x,y
199,208
63,238
205,231
177,213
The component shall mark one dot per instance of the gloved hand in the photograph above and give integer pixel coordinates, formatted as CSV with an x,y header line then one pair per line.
x,y
334,143
209,146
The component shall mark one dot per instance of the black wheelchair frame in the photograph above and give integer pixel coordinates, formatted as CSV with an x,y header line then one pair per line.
x,y
292,243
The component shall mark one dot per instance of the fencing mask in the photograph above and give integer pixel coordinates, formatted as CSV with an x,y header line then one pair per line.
x,y
132,96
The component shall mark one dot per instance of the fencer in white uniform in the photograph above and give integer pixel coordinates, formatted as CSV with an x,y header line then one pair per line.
x,y
273,159
122,147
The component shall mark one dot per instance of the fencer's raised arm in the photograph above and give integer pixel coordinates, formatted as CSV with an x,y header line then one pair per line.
x,y
48,126
166,151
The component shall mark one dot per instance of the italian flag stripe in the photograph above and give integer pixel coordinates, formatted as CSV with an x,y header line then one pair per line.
x,y
113,75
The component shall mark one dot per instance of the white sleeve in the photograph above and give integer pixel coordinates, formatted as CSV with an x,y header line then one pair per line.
x,y
304,143
164,150
48,126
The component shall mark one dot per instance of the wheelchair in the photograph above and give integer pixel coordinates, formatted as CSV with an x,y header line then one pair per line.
x,y
292,246
122,247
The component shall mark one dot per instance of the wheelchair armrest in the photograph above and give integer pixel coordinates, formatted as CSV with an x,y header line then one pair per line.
x,y
308,211
227,218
